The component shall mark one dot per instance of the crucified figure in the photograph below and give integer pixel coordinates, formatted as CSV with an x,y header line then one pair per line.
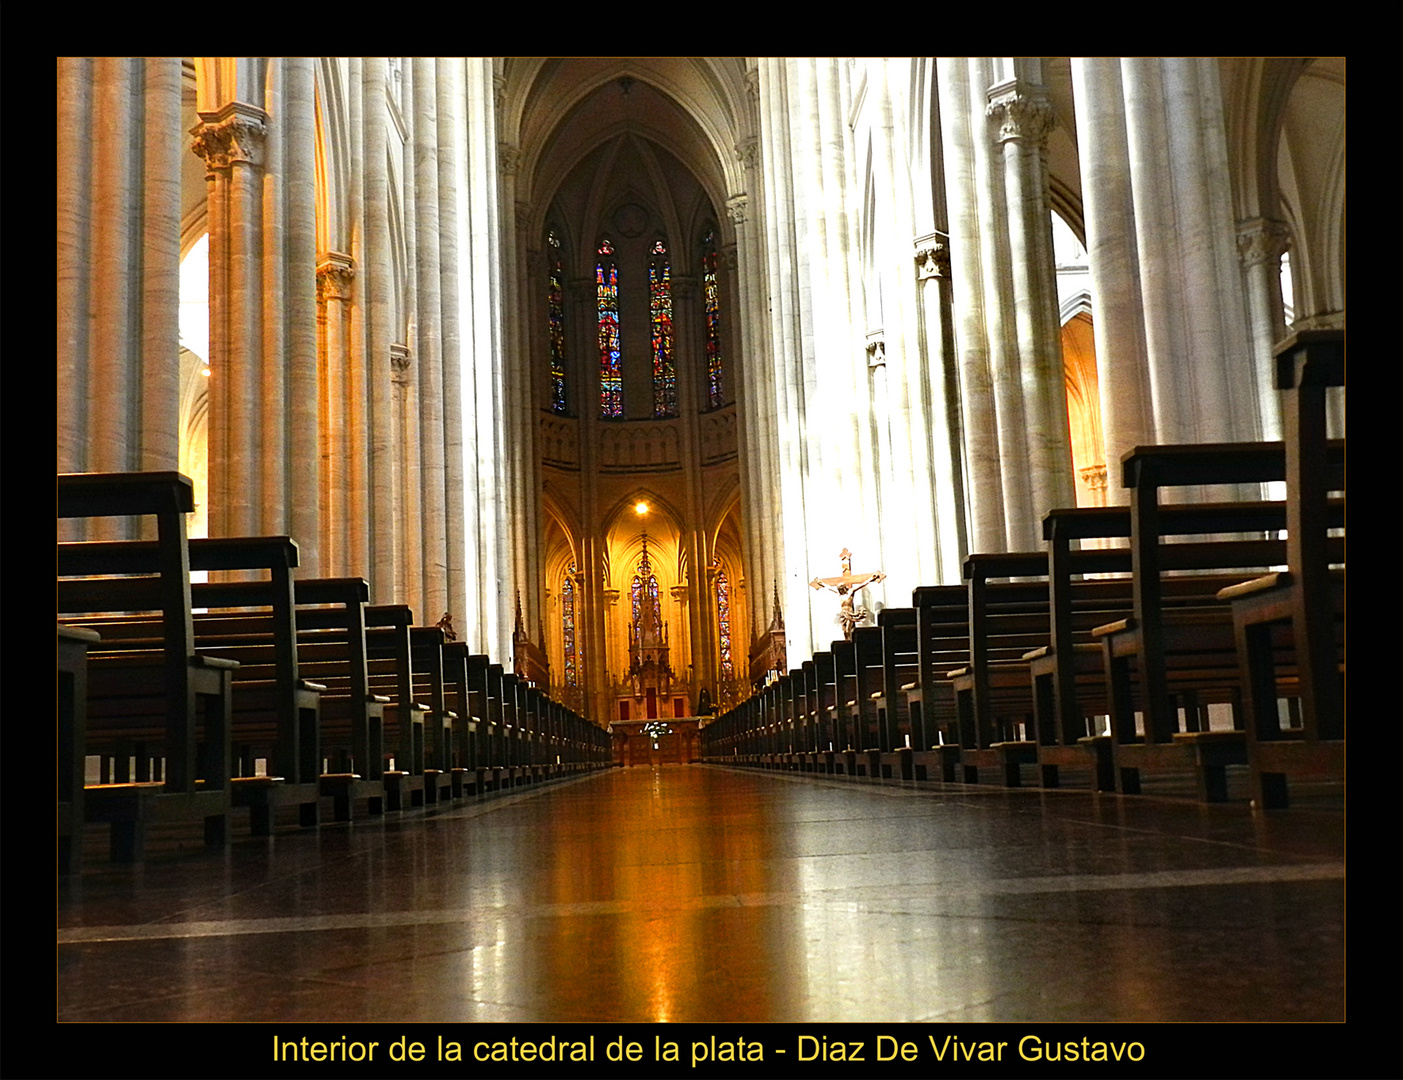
x,y
846,586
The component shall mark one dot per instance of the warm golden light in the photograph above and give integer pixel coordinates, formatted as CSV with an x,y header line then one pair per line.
x,y
640,509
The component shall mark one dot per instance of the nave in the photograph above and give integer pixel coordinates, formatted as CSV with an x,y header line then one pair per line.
x,y
699,893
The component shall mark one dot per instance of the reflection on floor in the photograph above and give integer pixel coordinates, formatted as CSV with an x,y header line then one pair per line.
x,y
694,893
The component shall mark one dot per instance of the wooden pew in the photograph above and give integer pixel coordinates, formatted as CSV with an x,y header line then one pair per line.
x,y
1190,651
71,715
169,698
942,646
391,668
331,641
1306,600
899,669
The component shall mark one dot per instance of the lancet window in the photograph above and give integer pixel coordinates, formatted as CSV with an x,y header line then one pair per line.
x,y
712,294
567,616
664,369
611,383
723,619
555,310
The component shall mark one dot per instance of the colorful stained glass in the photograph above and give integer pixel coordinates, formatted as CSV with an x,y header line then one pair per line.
x,y
567,608
555,304
664,370
611,383
723,612
712,291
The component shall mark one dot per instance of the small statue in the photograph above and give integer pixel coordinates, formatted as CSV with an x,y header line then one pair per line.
x,y
846,585
446,625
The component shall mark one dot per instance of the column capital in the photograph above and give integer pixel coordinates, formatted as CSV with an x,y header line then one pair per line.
x,y
335,272
1094,477
508,158
736,208
232,135
747,151
877,348
1262,240
932,258
1022,111
400,363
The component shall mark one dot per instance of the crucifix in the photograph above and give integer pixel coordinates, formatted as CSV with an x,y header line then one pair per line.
x,y
846,585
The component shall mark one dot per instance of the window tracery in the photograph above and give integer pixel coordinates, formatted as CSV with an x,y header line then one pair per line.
x,y
715,389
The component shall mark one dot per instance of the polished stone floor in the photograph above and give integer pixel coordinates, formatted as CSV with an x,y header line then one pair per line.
x,y
703,894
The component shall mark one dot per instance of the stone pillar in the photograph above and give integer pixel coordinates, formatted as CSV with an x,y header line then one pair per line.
x,y
450,135
1024,119
303,418
335,275
983,472
382,491
429,344
932,259
1113,253
1261,243
119,146
231,142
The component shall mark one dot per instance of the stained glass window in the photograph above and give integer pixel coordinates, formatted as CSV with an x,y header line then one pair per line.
x,y
712,293
555,304
723,611
664,370
567,608
611,384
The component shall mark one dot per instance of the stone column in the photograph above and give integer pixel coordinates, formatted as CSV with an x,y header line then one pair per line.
x,y
335,274
429,345
1261,243
451,132
1113,253
984,475
932,259
304,415
383,491
231,142
1024,119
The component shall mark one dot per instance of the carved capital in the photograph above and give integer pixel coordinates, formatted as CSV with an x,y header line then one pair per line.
x,y
508,158
876,349
752,83
1022,112
400,364
746,151
1262,240
335,272
1094,477
232,136
736,206
932,258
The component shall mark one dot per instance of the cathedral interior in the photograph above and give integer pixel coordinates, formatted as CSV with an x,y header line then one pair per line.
x,y
608,363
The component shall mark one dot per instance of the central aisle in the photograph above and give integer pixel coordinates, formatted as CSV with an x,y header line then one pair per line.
x,y
693,893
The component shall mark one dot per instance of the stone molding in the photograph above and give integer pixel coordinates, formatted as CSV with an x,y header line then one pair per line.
x,y
234,135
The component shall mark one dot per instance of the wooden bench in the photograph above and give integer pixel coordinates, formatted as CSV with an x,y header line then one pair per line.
x,y
71,717
1192,651
331,643
251,623
169,700
942,645
1305,604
